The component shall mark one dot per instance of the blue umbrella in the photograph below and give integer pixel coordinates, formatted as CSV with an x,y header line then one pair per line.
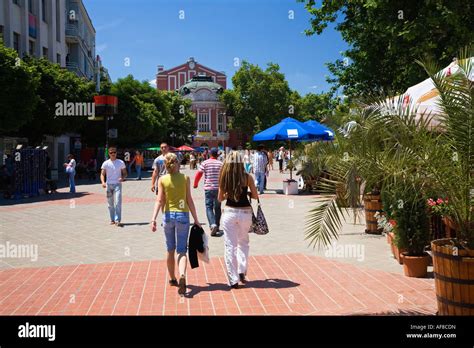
x,y
320,131
287,129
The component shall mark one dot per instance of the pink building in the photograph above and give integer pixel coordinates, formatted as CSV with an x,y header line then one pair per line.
x,y
203,86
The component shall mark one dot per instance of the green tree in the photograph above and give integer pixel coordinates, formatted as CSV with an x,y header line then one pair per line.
x,y
316,106
260,98
56,85
181,121
143,114
18,85
386,37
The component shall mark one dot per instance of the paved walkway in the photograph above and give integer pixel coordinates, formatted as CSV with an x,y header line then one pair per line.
x,y
294,284
85,266
73,229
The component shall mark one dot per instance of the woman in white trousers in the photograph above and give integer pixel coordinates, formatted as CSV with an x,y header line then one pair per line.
x,y
235,186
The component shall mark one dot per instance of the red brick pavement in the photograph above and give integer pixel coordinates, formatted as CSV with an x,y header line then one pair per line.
x,y
294,284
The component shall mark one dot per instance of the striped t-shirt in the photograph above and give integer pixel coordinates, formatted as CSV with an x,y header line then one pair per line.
x,y
211,169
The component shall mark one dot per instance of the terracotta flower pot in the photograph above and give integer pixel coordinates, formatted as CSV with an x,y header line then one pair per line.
x,y
415,266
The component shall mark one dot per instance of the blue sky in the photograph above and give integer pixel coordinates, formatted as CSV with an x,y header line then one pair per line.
x,y
214,32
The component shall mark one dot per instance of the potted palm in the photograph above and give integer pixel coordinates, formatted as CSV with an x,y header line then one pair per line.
x,y
403,148
412,233
452,257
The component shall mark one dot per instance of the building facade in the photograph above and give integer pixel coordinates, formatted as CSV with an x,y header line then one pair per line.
x,y
35,27
58,30
203,86
80,40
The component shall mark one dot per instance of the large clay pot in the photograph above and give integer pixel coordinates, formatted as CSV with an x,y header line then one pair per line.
x,y
415,266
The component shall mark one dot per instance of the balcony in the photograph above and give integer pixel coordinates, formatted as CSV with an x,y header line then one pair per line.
x,y
72,33
74,67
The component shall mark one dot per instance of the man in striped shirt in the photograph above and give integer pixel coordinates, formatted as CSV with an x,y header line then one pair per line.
x,y
211,169
260,162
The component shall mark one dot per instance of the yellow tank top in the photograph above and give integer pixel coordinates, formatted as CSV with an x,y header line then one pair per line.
x,y
175,190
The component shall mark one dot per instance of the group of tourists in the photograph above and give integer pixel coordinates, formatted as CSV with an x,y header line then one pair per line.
x,y
223,181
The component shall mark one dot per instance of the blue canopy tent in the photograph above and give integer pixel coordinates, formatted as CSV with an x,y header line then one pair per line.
x,y
320,131
288,129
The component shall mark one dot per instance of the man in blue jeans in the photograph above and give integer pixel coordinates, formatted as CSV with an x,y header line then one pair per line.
x,y
211,169
260,162
116,172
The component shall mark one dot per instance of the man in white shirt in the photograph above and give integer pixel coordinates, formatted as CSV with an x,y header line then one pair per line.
x,y
115,171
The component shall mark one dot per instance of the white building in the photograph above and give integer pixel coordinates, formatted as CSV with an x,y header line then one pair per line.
x,y
35,27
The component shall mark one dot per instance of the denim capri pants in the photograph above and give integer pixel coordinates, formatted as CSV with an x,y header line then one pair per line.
x,y
176,226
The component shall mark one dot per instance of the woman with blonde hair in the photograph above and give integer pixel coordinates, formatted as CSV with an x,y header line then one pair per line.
x,y
174,198
234,186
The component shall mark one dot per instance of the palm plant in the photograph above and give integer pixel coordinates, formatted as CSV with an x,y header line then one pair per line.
x,y
388,150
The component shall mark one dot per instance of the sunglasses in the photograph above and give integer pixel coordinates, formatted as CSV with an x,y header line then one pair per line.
x,y
112,153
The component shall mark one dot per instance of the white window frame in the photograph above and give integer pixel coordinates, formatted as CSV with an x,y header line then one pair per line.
x,y
203,121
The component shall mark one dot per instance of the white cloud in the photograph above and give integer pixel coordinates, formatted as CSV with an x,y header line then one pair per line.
x,y
313,87
152,82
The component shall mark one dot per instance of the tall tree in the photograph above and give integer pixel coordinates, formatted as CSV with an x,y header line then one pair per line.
x,y
142,112
182,121
386,37
18,85
260,98
56,85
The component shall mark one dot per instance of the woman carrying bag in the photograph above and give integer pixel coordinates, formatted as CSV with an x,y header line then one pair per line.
x,y
174,197
235,185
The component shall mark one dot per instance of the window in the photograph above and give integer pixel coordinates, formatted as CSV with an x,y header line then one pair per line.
x,y
203,121
58,59
16,42
31,48
30,6
45,52
58,22
220,122
43,10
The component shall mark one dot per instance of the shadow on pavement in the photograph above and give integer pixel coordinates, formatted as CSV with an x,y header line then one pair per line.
x,y
255,284
135,224
44,198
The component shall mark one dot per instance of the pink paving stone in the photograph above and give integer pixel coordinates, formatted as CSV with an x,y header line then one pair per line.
x,y
294,284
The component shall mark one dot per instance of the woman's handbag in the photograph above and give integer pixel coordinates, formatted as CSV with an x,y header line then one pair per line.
x,y
259,223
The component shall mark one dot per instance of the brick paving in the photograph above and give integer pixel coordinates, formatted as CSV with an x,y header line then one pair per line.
x,y
85,266
292,284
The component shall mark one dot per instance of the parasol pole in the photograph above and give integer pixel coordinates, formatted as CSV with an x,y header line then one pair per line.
x,y
291,165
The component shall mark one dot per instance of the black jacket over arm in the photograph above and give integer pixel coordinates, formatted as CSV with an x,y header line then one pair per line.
x,y
196,244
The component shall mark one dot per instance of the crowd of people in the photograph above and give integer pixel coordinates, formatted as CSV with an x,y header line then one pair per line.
x,y
227,178
234,178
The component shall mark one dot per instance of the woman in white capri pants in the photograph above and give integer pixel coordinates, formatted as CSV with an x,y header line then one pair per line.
x,y
235,185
